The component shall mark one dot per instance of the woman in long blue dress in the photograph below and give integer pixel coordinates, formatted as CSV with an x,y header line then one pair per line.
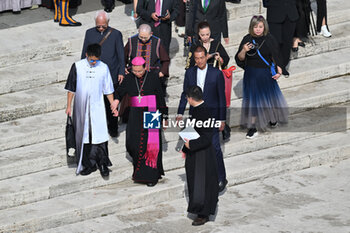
x,y
263,104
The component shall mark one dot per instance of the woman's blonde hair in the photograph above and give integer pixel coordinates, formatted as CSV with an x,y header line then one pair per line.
x,y
254,21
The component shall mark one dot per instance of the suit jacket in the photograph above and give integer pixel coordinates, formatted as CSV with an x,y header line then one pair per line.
x,y
112,50
215,15
145,8
278,10
213,95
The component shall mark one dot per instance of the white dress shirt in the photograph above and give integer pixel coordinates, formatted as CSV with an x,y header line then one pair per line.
x,y
201,74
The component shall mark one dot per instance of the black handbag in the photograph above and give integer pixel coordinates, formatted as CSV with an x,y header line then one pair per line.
x,y
226,133
70,137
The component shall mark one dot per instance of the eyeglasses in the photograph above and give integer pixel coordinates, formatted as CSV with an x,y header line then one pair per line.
x,y
101,26
144,37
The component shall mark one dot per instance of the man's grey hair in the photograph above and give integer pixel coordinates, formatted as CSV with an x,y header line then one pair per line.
x,y
102,13
145,28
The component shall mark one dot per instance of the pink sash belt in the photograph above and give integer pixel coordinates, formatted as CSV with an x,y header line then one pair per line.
x,y
151,155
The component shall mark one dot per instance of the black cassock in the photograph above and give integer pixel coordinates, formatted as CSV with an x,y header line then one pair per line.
x,y
136,135
201,168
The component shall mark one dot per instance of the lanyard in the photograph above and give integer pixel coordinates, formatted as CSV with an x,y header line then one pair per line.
x,y
260,54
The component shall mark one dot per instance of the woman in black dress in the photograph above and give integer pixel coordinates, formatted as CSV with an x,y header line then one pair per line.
x,y
303,24
217,55
263,103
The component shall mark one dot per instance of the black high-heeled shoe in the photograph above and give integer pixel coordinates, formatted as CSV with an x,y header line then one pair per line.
x,y
295,49
301,44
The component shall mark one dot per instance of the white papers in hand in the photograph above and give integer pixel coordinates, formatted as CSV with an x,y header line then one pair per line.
x,y
189,132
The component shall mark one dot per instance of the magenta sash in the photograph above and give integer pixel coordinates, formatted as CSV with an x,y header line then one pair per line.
x,y
151,155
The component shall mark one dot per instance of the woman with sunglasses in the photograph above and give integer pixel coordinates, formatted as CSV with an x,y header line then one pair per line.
x,y
263,104
217,55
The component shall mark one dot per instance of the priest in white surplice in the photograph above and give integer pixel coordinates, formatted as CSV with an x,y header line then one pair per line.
x,y
88,80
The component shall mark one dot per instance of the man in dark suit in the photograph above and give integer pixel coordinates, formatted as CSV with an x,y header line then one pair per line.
x,y
159,14
211,81
214,12
112,54
281,17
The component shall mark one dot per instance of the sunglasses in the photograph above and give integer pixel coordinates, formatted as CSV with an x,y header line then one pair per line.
x,y
104,27
258,17
92,61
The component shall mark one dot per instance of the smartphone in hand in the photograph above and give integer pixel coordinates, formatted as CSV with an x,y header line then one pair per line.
x,y
162,16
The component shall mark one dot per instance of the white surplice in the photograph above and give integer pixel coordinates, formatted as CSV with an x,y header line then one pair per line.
x,y
93,82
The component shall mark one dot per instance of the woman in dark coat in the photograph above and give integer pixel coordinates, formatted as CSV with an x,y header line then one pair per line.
x,y
263,103
217,55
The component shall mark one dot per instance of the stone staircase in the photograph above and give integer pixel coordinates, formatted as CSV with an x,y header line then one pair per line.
x,y
40,192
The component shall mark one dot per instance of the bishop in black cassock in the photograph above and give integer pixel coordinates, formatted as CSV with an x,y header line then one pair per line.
x,y
143,144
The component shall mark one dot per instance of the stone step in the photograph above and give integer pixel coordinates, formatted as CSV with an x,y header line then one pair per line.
x,y
34,74
39,156
51,154
63,40
32,102
50,126
67,40
303,70
306,70
47,176
125,196
318,45
250,207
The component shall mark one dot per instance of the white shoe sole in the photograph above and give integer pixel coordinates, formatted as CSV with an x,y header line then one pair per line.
x,y
254,135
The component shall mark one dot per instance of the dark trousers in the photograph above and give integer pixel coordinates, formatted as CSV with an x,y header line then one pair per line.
x,y
284,32
163,83
112,122
219,156
321,13
181,17
109,3
163,31
95,154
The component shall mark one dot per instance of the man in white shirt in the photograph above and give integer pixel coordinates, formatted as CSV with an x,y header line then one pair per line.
x,y
88,81
212,83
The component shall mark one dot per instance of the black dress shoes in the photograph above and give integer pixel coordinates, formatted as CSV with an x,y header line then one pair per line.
x,y
104,170
73,24
88,170
200,221
285,73
113,134
108,10
151,184
222,185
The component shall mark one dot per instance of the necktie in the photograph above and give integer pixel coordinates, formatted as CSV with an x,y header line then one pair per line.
x,y
205,5
156,24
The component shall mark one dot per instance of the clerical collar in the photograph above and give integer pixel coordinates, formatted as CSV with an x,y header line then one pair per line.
x,y
142,77
199,104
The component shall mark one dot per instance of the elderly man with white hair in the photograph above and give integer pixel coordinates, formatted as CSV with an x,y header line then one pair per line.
x,y
111,41
149,47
